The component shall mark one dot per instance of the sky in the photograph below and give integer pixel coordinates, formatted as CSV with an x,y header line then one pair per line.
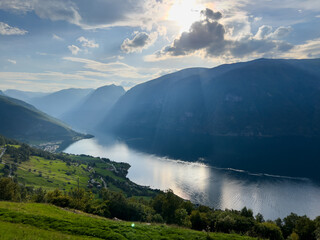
x,y
48,45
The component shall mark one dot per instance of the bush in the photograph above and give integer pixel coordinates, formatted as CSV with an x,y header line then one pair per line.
x,y
268,230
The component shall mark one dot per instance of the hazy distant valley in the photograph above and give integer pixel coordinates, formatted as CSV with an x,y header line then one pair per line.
x,y
262,116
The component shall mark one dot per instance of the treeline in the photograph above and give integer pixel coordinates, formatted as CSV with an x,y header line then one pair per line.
x,y
164,207
168,208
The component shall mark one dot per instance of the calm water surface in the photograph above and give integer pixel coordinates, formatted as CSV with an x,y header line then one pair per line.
x,y
220,188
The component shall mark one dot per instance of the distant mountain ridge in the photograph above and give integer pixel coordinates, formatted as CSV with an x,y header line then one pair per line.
x,y
93,108
25,96
231,115
58,103
24,122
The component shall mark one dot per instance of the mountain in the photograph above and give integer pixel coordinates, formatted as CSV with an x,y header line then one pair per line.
x,y
1,93
24,95
58,103
91,111
24,122
260,116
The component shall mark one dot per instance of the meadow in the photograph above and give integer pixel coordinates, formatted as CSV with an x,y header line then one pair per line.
x,y
44,221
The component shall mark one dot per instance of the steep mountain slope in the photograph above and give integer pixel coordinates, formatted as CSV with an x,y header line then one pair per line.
x,y
24,95
1,93
238,115
22,121
87,114
58,103
260,98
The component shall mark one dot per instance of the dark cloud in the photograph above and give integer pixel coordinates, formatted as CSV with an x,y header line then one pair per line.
x,y
202,34
209,35
209,14
140,41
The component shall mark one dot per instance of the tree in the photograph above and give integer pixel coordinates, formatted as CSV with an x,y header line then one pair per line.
x,y
39,195
9,190
268,230
166,204
199,220
293,236
2,141
305,228
246,212
57,198
259,218
80,198
289,224
226,223
182,218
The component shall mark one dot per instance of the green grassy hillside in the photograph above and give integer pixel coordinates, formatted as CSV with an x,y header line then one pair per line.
x,y
63,171
32,179
22,121
56,223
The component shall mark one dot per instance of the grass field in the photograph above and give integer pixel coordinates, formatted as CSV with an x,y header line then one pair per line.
x,y
13,231
42,221
40,172
65,170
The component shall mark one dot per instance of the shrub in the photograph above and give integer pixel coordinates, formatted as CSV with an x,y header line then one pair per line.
x,y
268,230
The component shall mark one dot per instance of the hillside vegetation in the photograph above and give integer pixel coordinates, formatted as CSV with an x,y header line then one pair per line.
x,y
100,187
51,221
24,122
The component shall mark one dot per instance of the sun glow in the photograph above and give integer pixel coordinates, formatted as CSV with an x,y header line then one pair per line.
x,y
184,13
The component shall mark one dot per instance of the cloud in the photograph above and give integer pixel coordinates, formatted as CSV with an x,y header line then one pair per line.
x,y
16,5
57,10
140,41
56,37
114,68
5,29
309,49
210,38
50,81
74,49
95,13
281,32
88,43
209,14
12,61
265,32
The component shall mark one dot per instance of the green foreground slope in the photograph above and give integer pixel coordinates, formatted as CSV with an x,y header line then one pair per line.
x,y
57,223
